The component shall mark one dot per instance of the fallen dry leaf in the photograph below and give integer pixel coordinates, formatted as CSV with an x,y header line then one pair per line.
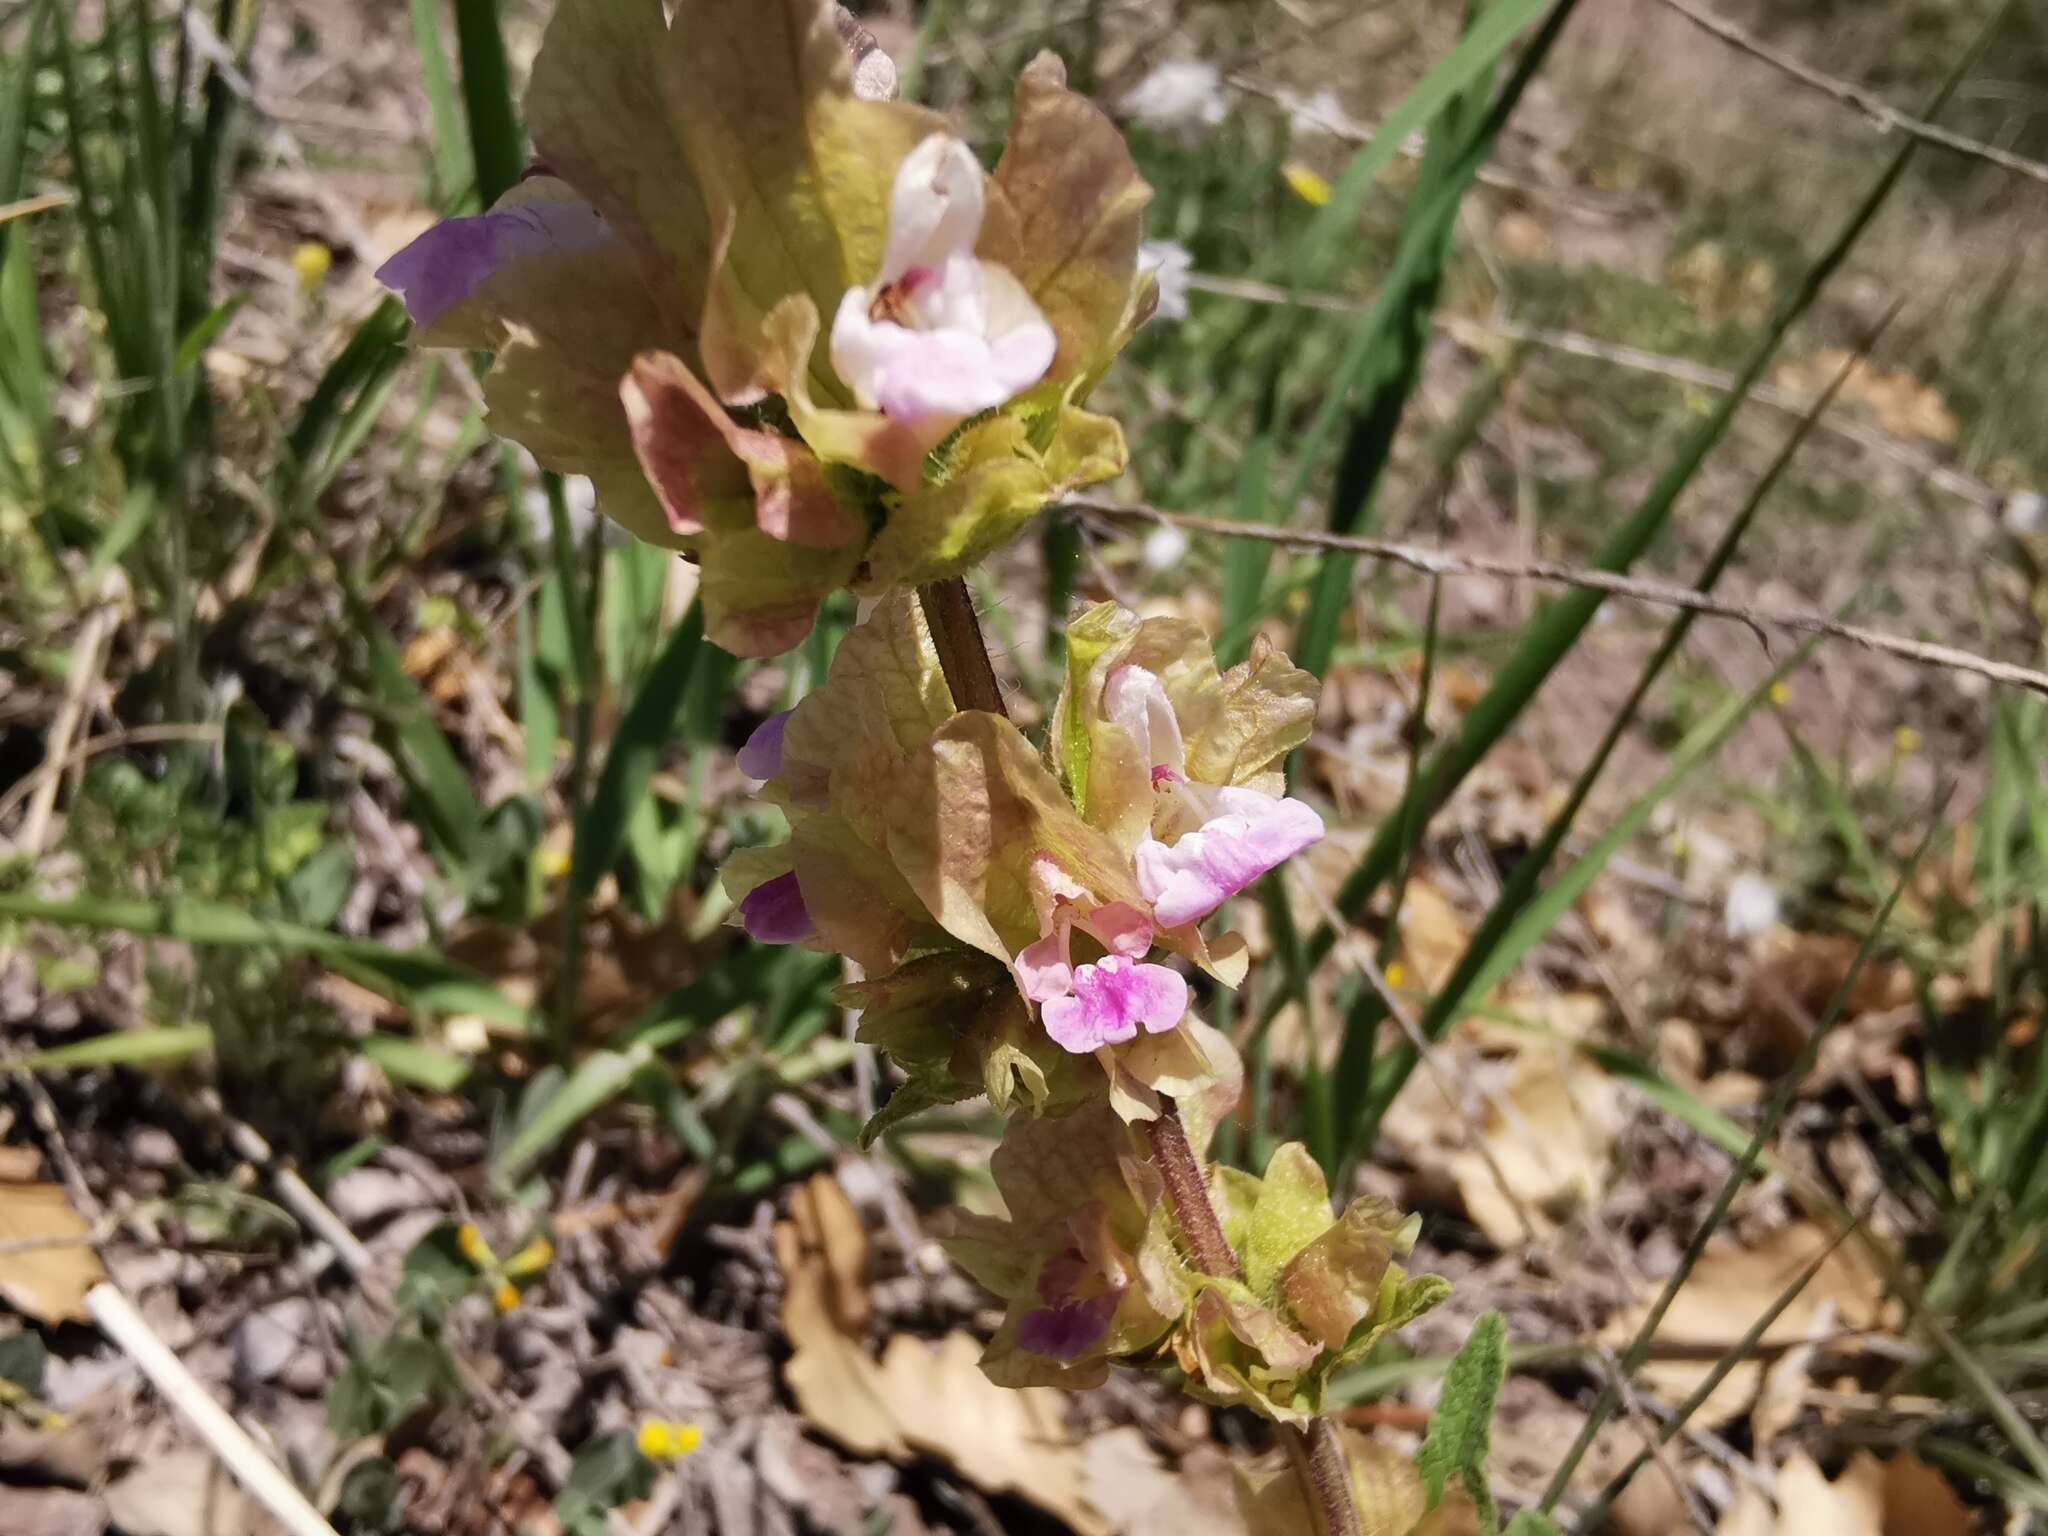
x,y
1140,1495
1900,1497
183,1493
1903,405
1729,1290
1787,1383
919,1398
46,1284
829,1227
1550,1132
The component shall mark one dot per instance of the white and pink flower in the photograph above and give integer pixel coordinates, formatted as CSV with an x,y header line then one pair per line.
x,y
940,335
1207,842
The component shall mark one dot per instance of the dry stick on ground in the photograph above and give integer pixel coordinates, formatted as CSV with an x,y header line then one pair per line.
x,y
1445,562
259,1476
1861,98
1317,1453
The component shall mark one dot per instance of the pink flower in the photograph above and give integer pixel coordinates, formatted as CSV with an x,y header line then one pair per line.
x,y
940,335
1103,1002
773,912
1242,835
761,757
456,257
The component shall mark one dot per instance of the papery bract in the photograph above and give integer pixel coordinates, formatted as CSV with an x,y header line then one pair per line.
x,y
713,185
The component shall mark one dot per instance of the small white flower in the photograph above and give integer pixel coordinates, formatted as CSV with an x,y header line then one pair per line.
x,y
1751,908
940,335
2026,512
1169,263
1181,93
1165,547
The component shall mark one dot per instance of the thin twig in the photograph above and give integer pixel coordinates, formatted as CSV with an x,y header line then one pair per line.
x,y
54,767
87,654
1471,334
1759,618
1849,94
259,1476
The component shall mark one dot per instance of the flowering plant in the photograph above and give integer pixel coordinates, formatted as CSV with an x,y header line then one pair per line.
x,y
654,294
1027,919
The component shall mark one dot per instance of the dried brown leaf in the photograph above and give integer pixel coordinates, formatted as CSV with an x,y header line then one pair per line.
x,y
47,1284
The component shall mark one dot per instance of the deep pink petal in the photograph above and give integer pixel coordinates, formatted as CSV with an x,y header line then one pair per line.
x,y
773,912
452,260
761,757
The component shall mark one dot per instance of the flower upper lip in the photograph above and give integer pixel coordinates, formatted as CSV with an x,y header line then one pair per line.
x,y
940,335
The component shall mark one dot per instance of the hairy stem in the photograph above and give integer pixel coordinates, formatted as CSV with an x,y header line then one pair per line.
x,y
956,633
1187,1191
1318,1455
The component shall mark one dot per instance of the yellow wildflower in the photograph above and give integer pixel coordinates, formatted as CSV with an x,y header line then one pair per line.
x,y
506,1297
1906,741
1397,974
470,1242
668,1439
312,261
1781,694
532,1259
1312,187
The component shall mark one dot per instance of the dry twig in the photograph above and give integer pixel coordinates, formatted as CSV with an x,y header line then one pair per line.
x,y
1759,618
1849,94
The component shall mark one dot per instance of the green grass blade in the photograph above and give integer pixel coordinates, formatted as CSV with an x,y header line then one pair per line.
x,y
1745,1167
454,172
419,977
1556,629
1390,346
497,147
124,1048
1491,34
638,746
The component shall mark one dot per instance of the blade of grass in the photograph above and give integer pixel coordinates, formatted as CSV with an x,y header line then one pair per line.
x,y
454,172
1556,629
124,1048
1744,1168
1364,1079
1390,345
418,977
497,147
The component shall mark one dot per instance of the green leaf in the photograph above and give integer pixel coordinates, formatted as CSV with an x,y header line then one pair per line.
x,y
608,1472
436,1273
1476,52
1460,1433
124,1048
408,1061
593,1083
453,170
1530,1523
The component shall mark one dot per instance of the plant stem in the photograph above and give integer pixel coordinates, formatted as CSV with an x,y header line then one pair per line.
x,y
1187,1191
956,634
1318,1455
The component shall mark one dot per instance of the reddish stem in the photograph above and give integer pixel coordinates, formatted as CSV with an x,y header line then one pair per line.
x,y
1187,1191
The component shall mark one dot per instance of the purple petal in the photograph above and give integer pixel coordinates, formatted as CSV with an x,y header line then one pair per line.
x,y
1198,873
1066,1330
457,256
761,757
773,912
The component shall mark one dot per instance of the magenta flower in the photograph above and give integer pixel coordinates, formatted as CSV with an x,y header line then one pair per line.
x,y
761,757
1081,1293
773,912
941,335
456,257
1103,1002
